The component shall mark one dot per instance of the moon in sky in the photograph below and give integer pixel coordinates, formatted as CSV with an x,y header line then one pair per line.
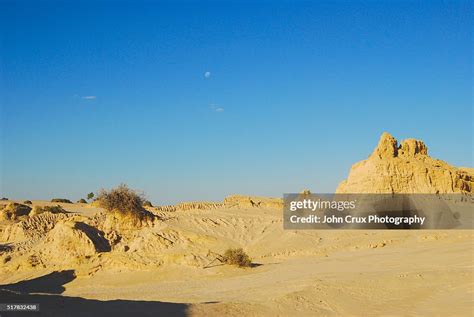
x,y
207,74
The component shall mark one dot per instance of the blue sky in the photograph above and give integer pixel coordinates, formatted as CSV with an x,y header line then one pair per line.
x,y
98,93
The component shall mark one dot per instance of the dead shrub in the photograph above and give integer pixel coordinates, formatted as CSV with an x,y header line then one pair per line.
x,y
124,201
52,209
13,211
237,257
61,200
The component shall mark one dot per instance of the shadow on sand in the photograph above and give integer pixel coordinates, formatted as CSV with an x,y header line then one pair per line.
x,y
43,291
252,265
51,283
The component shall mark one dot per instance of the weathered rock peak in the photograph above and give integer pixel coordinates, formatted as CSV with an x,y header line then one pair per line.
x,y
405,168
388,147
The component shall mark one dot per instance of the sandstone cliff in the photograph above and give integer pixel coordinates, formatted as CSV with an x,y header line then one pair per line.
x,y
405,168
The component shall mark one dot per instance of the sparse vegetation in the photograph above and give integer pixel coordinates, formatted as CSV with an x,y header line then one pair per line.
x,y
14,210
123,200
52,209
147,203
90,196
82,201
61,200
237,257
27,202
4,198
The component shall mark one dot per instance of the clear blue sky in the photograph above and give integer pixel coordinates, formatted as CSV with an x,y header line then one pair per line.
x,y
98,93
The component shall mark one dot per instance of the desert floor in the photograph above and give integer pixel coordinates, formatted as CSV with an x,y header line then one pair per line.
x,y
295,273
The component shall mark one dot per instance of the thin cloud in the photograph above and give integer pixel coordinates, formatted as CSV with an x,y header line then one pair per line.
x,y
216,108
89,97
207,75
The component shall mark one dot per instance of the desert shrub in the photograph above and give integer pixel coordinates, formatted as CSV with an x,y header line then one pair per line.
x,y
82,201
90,196
147,203
121,199
14,210
61,200
27,202
52,209
237,257
4,198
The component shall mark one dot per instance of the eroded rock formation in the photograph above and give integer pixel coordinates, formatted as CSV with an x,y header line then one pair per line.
x,y
240,201
405,168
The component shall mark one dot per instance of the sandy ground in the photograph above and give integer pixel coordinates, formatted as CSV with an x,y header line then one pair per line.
x,y
329,273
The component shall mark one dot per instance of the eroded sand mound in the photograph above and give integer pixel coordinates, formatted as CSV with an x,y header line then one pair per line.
x,y
190,206
232,201
71,242
32,228
115,220
405,168
110,240
240,201
37,210
13,211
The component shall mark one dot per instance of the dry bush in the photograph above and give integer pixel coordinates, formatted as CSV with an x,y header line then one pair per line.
x,y
237,257
52,209
61,200
147,203
14,210
123,200
82,201
27,202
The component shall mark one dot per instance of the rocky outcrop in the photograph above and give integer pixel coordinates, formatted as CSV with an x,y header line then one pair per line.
x,y
405,168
